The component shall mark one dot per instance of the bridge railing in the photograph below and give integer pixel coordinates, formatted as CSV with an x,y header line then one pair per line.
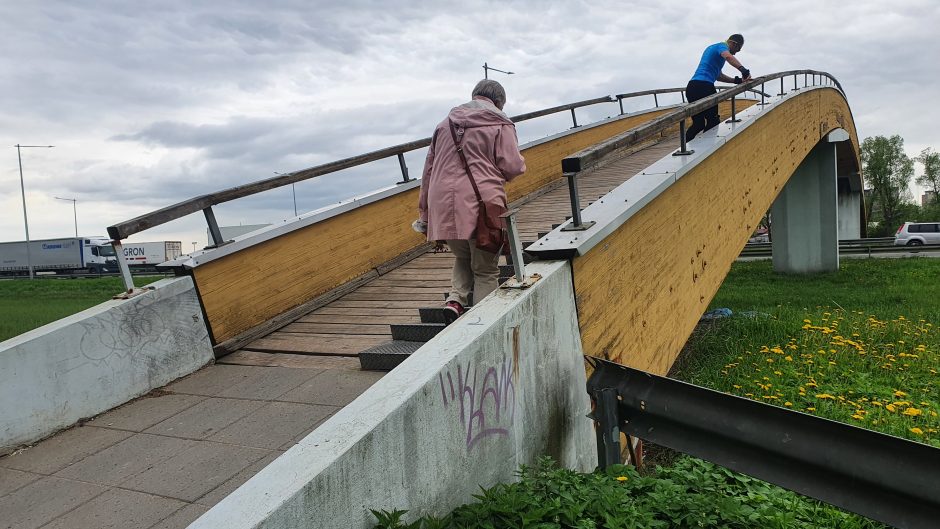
x,y
204,203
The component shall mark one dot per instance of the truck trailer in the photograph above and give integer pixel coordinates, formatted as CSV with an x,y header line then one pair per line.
x,y
66,255
151,253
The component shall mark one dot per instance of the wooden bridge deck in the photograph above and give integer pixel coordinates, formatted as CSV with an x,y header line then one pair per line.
x,y
360,319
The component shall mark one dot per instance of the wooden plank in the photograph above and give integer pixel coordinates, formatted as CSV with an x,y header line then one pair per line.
x,y
366,310
296,361
663,266
374,319
338,328
424,298
414,304
326,344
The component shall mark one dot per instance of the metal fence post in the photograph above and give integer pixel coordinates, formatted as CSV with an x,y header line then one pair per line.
x,y
794,82
762,95
620,100
655,100
733,113
683,148
404,169
576,224
515,246
122,264
607,427
781,86
214,231
574,119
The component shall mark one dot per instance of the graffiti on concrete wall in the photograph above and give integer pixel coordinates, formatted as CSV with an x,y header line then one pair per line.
x,y
484,398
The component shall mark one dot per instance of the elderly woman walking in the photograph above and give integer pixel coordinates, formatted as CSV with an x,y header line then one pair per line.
x,y
449,207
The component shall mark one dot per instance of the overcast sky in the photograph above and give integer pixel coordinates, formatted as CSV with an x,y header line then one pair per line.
x,y
152,103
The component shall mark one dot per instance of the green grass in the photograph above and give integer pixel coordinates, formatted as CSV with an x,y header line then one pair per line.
x,y
689,494
860,347
26,305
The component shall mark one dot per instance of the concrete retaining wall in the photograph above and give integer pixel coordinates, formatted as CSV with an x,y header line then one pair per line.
x,y
499,388
97,359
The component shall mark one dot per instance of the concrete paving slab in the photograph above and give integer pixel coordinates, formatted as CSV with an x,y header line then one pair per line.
x,y
11,480
333,387
191,474
63,449
212,380
146,411
205,419
118,509
215,496
44,500
273,424
128,458
268,383
257,358
183,517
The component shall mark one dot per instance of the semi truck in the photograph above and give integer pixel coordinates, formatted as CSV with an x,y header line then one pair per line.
x,y
151,253
65,255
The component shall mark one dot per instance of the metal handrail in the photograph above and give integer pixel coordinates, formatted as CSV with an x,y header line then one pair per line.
x,y
587,158
122,230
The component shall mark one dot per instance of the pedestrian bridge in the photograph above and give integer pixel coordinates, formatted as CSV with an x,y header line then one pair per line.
x,y
290,308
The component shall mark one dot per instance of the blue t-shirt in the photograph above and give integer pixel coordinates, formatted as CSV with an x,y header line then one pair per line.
x,y
711,64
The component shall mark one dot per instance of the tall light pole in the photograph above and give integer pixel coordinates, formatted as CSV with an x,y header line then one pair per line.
x,y
486,74
74,210
19,157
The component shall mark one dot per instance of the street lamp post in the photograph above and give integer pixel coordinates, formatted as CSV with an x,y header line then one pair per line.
x,y
74,211
19,157
487,67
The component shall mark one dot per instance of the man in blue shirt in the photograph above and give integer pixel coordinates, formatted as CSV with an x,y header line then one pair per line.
x,y
702,84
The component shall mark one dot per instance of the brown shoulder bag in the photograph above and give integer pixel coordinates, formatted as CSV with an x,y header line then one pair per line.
x,y
490,232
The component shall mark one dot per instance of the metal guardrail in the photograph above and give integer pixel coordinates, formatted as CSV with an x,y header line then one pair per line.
x,y
849,247
587,158
204,203
885,478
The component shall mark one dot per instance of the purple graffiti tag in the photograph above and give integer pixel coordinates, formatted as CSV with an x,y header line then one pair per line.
x,y
487,410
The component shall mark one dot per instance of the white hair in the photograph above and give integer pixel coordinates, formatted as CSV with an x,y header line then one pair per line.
x,y
491,90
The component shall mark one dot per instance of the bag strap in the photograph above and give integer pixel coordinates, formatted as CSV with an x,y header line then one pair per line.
x,y
463,157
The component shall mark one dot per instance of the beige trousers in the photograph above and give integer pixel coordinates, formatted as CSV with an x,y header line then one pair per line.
x,y
474,270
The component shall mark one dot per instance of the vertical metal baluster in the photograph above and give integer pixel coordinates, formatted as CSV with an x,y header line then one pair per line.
x,y
762,95
122,264
794,82
656,100
781,86
515,246
733,112
682,93
574,119
404,169
683,148
214,231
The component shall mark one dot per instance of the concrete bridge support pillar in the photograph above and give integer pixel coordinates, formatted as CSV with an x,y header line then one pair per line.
x,y
804,217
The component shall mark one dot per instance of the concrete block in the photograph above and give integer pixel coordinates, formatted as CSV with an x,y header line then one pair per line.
x,y
191,474
44,500
334,387
273,424
118,509
131,456
183,517
146,411
501,387
205,419
63,449
100,358
219,493
11,480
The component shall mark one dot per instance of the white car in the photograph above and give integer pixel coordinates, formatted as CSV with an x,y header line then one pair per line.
x,y
917,234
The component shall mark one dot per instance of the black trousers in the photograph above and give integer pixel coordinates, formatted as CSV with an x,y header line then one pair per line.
x,y
707,118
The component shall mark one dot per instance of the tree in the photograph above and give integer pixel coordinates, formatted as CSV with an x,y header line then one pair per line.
x,y
888,171
931,177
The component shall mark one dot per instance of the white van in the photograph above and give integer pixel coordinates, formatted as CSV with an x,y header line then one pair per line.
x,y
917,234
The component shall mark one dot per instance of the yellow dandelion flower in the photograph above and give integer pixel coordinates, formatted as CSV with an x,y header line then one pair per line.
x,y
788,404
891,408
911,412
858,417
900,393
788,358
916,430
622,478
810,409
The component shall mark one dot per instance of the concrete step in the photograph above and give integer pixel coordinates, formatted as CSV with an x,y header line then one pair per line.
x,y
416,332
387,356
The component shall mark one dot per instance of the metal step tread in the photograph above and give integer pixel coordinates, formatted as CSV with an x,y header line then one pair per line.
x,y
387,356
416,332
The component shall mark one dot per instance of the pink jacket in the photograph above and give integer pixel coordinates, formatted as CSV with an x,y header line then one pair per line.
x,y
448,203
